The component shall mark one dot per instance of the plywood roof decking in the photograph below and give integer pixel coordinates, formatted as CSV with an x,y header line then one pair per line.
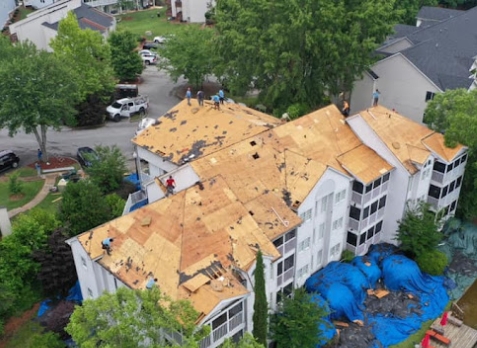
x,y
197,234
186,132
357,162
409,141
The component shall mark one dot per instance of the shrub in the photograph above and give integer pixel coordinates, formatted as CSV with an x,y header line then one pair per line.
x,y
297,110
347,256
432,262
15,186
116,204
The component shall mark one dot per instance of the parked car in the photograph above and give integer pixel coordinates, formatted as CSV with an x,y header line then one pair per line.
x,y
127,107
150,45
8,160
149,59
141,52
87,156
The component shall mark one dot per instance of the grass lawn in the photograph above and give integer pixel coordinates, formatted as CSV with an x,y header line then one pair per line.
x,y
24,11
142,21
25,172
51,203
30,190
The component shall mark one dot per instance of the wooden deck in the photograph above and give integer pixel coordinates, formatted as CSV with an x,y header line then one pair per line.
x,y
461,337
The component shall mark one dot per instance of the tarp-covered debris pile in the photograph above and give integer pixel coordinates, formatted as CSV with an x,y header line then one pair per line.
x,y
384,295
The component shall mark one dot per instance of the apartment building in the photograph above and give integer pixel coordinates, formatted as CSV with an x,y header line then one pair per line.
x,y
302,192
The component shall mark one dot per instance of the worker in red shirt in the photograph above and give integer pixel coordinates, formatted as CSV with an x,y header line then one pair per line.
x,y
170,185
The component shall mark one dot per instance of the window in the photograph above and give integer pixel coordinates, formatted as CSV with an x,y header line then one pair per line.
x,y
439,167
321,232
374,207
278,242
323,204
458,182
370,233
302,271
90,293
340,196
453,205
429,96
434,191
376,183
290,235
378,227
306,215
236,310
351,238
382,202
354,213
464,158
319,257
451,186
304,245
366,212
335,250
386,177
338,223
358,187
83,261
279,268
362,238
289,262
444,192
219,321
369,188
449,167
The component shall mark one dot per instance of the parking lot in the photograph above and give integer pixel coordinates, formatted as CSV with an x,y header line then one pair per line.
x,y
155,84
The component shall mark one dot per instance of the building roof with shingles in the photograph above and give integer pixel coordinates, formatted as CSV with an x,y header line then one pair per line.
x,y
445,50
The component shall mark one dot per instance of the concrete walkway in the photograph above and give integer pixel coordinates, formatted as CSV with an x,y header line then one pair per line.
x,y
49,183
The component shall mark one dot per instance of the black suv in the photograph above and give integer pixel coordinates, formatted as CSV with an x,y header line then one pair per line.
x,y
8,160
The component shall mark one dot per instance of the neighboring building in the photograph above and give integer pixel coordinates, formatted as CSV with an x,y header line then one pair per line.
x,y
301,191
192,11
107,6
41,26
37,4
421,61
6,9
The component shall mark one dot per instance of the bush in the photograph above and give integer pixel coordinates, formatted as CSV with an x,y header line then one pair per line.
x,y
347,256
108,172
116,204
15,186
432,262
297,110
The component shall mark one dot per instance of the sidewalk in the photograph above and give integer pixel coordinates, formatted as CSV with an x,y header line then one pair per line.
x,y
49,183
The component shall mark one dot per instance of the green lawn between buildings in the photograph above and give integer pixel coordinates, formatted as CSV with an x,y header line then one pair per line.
x,y
30,190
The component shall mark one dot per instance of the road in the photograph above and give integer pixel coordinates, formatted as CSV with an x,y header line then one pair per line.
x,y
156,85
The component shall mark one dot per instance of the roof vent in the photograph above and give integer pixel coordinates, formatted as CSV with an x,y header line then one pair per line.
x,y
251,212
255,155
253,143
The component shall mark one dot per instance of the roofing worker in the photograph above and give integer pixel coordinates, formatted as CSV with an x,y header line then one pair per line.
x,y
345,110
150,283
188,95
170,186
221,96
376,95
216,100
106,245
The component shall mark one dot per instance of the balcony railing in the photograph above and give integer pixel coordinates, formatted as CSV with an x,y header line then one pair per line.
x,y
220,332
132,200
97,3
235,321
288,274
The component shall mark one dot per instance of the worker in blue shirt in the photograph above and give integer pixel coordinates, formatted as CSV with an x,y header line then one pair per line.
x,y
376,95
216,100
150,284
106,245
188,95
221,96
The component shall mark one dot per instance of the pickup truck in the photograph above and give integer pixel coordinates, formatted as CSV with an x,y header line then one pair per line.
x,y
127,107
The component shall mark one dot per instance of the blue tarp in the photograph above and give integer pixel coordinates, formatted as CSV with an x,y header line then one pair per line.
x,y
326,327
393,318
74,295
44,307
134,179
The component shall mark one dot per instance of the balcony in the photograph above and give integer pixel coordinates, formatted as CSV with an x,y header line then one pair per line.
x,y
98,3
285,276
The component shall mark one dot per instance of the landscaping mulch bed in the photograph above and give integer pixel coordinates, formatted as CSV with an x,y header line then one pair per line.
x,y
55,163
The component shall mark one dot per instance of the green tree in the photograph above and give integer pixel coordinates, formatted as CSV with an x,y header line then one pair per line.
x,y
433,262
108,172
83,207
260,305
296,324
90,54
116,205
408,9
454,114
190,53
37,92
129,318
127,64
298,51
15,186
461,4
247,341
417,231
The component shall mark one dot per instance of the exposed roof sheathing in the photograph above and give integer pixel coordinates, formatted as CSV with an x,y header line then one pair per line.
x,y
188,132
357,162
191,243
409,141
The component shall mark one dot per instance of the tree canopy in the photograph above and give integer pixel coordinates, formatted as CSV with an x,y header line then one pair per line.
x,y
108,171
247,341
296,323
417,231
190,53
87,53
260,305
298,51
126,62
37,91
129,318
454,114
